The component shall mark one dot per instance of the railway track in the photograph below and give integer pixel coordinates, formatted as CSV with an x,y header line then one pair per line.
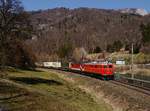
x,y
131,86
119,82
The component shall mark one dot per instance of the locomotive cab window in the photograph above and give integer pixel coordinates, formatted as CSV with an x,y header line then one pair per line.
x,y
110,66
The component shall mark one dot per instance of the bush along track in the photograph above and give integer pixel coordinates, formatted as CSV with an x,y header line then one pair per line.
x,y
120,98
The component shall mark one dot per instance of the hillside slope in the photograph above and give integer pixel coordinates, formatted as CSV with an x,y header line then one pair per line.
x,y
84,27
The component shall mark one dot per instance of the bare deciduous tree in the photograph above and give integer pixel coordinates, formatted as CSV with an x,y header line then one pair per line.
x,y
14,27
79,54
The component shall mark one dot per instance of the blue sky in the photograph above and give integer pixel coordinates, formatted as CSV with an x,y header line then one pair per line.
x,y
102,4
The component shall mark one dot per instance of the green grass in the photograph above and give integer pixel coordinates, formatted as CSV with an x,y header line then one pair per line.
x,y
47,92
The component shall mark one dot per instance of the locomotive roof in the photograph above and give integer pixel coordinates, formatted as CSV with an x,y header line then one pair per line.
x,y
99,63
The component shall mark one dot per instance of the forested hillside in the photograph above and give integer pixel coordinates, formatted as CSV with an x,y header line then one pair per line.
x,y
59,31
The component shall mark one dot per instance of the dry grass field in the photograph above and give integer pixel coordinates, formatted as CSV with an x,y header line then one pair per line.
x,y
43,91
118,97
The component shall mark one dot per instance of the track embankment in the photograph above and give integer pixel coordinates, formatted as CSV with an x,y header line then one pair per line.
x,y
119,97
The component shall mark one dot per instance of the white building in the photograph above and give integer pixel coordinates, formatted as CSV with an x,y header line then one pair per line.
x,y
120,62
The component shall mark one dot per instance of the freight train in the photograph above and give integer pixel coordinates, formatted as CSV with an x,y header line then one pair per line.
x,y
105,70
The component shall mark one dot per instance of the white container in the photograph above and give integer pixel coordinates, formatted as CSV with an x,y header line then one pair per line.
x,y
52,64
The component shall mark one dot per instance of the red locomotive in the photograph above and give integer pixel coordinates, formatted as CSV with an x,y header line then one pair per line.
x,y
103,69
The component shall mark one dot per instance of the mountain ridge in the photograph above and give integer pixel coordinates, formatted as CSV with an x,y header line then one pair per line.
x,y
84,27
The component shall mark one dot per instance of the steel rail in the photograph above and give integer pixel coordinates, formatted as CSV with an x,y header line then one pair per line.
x,y
130,86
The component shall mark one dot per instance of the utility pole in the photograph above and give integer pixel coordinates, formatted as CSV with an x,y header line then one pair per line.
x,y
132,61
5,1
